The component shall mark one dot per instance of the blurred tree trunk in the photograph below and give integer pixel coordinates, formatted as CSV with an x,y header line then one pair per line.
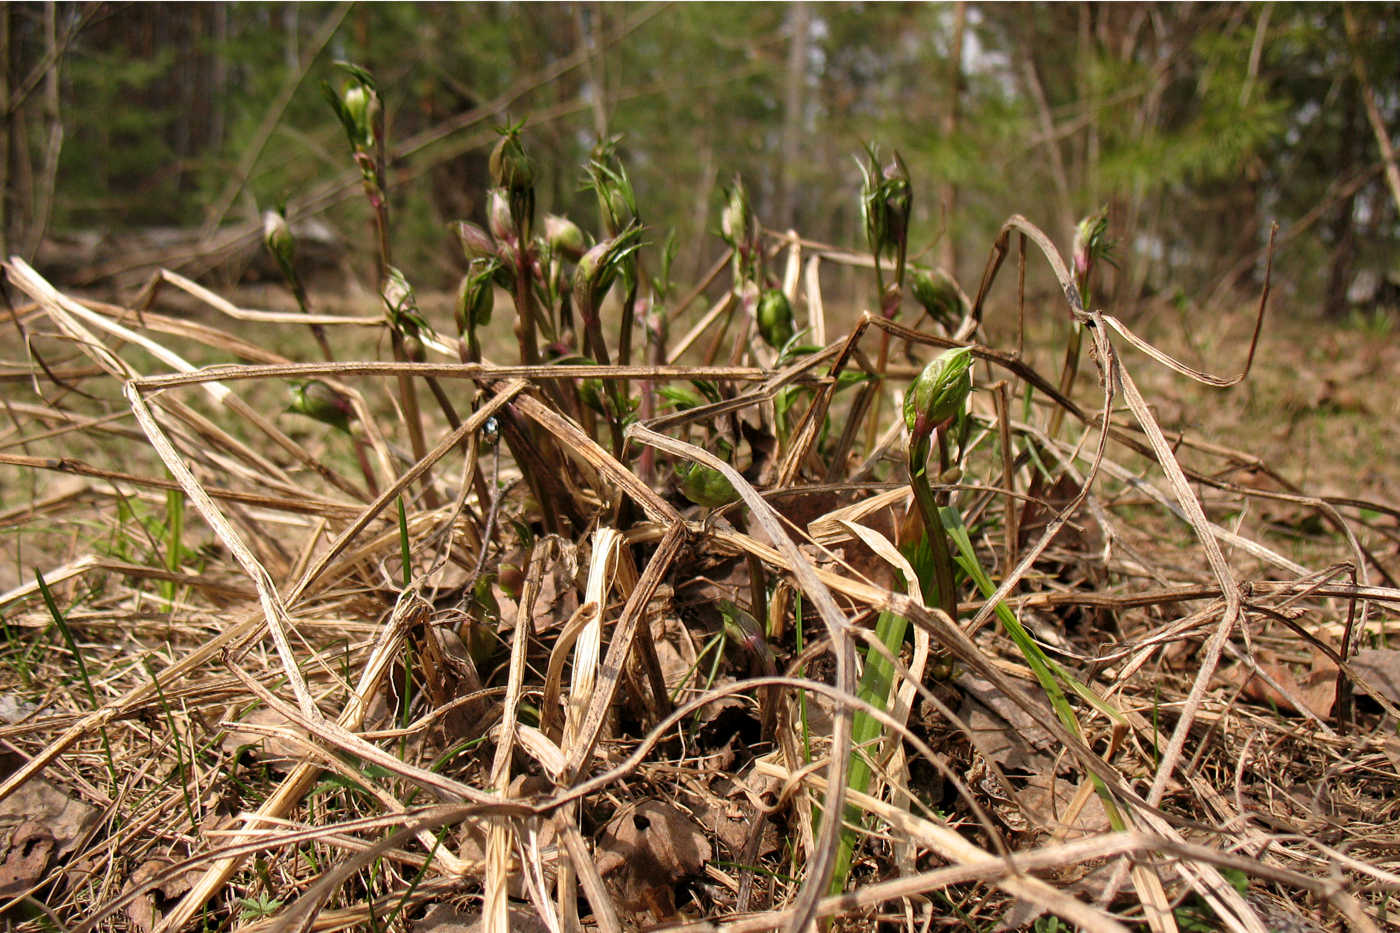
x,y
6,131
948,249
1343,227
43,194
1373,113
1034,89
794,107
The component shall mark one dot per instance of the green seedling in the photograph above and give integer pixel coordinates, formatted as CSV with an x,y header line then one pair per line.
x,y
886,207
476,299
935,399
319,402
1091,247
277,237
704,485
62,622
180,766
513,172
775,320
255,908
939,298
174,540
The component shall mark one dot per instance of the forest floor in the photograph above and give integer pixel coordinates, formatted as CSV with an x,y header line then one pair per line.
x,y
415,761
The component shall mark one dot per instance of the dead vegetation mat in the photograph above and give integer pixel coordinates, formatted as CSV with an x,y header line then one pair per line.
x,y
280,676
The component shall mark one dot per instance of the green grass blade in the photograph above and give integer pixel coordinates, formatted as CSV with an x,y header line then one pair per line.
x,y
179,751
62,624
1048,673
404,552
174,538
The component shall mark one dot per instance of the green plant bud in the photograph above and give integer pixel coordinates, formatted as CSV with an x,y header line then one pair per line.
x,y
481,643
590,391
886,200
476,298
356,100
360,109
1091,243
704,485
356,106
413,348
736,219
598,267
617,202
397,293
564,236
681,397
277,235
476,242
940,391
872,207
775,321
899,200
619,210
511,578
317,400
503,269
510,167
498,219
939,297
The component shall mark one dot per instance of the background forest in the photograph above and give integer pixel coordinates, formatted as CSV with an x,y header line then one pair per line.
x,y
152,134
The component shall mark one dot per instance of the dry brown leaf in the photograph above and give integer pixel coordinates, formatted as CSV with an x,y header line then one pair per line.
x,y
647,848
66,818
1052,799
268,749
1317,690
1380,667
1003,731
27,855
444,918
146,910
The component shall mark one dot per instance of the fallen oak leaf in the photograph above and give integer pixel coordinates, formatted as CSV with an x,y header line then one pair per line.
x,y
649,847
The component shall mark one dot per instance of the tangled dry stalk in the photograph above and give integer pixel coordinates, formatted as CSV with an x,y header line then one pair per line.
x,y
543,718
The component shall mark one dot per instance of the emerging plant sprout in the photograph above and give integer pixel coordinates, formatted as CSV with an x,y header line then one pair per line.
x,y
564,237
1091,245
514,173
476,242
939,393
704,485
476,298
316,400
775,320
607,178
357,106
933,401
599,268
739,229
938,296
886,203
277,237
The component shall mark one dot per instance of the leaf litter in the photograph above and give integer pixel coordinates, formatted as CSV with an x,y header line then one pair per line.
x,y
552,725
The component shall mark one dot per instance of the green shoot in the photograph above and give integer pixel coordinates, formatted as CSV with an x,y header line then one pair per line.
x,y
405,552
174,536
62,624
180,766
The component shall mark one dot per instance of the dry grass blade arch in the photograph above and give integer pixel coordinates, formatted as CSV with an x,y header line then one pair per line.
x,y
600,642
